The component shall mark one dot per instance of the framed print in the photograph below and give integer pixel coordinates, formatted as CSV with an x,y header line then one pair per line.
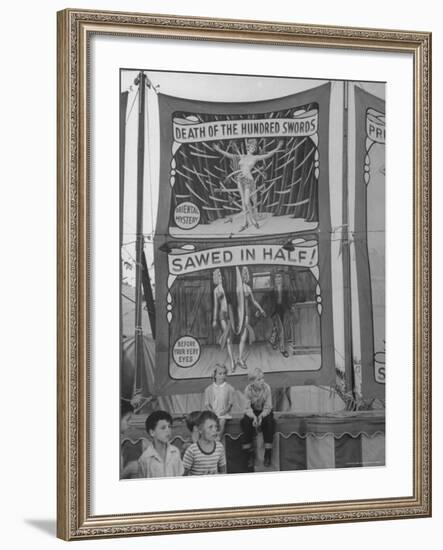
x,y
243,274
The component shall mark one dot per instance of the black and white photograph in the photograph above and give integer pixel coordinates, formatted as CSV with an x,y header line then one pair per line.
x,y
252,274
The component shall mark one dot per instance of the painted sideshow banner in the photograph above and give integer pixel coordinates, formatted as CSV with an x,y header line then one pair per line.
x,y
242,242
369,239
236,177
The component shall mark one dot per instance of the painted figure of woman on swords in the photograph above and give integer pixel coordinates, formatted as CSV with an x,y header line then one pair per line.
x,y
243,165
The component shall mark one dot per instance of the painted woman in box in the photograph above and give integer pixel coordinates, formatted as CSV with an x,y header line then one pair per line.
x,y
221,316
247,332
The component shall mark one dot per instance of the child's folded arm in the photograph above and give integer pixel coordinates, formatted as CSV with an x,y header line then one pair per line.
x,y
248,408
230,398
267,406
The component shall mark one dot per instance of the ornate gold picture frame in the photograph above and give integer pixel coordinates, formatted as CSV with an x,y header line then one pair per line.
x,y
78,515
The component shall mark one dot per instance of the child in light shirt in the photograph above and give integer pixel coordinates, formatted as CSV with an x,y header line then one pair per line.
x,y
258,415
219,396
160,459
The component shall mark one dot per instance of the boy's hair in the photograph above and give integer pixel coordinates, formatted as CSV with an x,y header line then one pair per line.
x,y
154,418
255,373
219,366
206,415
192,420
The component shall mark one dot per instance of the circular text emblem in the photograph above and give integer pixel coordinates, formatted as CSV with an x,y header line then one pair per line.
x,y
186,351
186,215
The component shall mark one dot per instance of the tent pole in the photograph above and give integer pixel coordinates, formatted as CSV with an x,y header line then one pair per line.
x,y
349,356
123,110
141,81
147,290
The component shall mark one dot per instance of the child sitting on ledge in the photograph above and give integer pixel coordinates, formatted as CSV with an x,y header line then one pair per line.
x,y
258,415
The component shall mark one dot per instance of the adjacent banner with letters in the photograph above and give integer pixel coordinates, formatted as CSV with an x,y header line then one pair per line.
x,y
368,283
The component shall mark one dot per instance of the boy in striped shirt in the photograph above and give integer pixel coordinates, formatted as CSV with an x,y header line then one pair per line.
x,y
207,455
